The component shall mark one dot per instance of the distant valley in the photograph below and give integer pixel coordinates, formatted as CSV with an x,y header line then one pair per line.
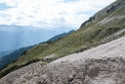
x,y
11,55
14,37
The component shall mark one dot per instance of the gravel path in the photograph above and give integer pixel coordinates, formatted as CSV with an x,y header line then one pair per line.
x,y
115,48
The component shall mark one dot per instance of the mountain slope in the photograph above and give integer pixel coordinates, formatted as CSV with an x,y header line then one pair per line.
x,y
106,26
12,56
100,65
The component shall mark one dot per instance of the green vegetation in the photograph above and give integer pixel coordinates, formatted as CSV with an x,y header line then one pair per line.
x,y
91,35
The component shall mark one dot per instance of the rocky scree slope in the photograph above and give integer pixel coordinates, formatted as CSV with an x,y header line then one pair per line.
x,y
104,64
106,26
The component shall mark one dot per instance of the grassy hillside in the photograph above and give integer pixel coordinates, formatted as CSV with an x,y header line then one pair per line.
x,y
101,29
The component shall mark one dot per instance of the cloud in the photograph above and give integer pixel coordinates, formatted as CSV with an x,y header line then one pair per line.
x,y
11,3
49,13
3,6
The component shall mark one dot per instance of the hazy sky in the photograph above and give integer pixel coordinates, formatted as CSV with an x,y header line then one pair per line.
x,y
49,13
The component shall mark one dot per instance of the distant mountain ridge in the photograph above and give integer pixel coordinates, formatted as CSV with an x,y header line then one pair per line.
x,y
2,53
7,58
14,37
60,36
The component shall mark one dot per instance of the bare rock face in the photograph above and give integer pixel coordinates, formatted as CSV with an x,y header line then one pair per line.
x,y
105,71
91,71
